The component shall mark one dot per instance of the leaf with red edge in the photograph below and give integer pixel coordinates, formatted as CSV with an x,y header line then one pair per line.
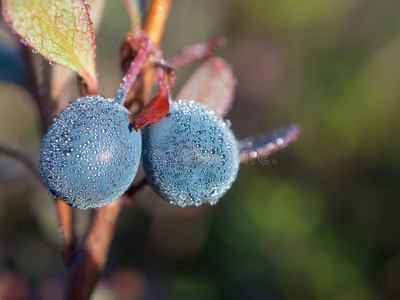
x,y
155,110
265,144
212,84
59,30
61,78
96,12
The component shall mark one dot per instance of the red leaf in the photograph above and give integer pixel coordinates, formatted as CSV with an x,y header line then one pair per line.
x,y
155,110
212,84
197,52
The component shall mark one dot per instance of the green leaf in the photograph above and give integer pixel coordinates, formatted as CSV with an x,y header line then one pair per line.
x,y
61,78
59,30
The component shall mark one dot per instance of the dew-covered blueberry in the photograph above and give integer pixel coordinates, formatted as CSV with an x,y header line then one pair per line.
x,y
191,156
90,155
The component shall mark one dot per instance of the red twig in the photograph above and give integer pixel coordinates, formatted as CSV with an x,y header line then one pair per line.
x,y
135,67
170,71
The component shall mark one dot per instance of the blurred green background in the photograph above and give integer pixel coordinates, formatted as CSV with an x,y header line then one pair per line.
x,y
321,220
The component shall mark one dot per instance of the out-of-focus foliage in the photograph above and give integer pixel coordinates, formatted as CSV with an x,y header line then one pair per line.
x,y
61,31
319,220
12,68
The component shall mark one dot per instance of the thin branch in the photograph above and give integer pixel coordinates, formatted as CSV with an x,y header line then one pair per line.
x,y
41,94
44,86
165,67
66,228
64,212
41,97
134,188
136,66
133,8
22,158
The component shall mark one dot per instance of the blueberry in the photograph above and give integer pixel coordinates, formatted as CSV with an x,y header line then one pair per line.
x,y
191,156
90,155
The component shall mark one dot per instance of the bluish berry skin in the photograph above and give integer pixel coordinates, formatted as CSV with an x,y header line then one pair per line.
x,y
90,155
191,156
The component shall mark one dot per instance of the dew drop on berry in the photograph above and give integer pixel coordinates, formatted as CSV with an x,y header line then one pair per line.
x,y
182,160
89,156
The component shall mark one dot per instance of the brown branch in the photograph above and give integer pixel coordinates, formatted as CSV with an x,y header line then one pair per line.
x,y
66,228
87,269
156,20
38,93
21,157
136,187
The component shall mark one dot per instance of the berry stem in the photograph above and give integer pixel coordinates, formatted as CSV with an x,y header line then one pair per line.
x,y
136,187
134,69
